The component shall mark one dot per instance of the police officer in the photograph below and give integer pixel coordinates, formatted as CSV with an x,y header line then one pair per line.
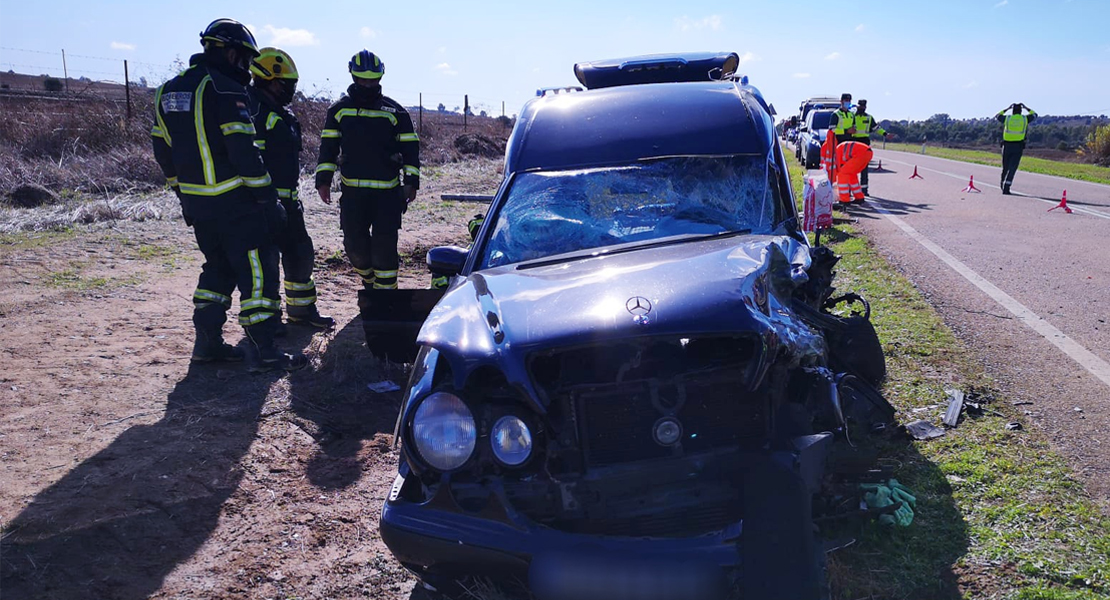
x,y
279,138
1014,127
865,125
843,122
204,142
373,138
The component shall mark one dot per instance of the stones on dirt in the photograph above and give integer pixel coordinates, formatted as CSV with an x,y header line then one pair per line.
x,y
31,196
479,145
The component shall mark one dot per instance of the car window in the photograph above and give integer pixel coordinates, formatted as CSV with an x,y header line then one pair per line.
x,y
821,120
554,212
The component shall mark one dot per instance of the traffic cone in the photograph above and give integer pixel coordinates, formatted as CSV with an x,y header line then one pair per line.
x,y
915,175
880,167
971,186
1063,204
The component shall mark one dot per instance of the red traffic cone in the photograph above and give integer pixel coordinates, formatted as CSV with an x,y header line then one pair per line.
x,y
915,175
971,186
1063,204
880,167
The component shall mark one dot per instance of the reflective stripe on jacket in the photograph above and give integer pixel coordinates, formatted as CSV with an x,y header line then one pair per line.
x,y
203,141
370,141
278,137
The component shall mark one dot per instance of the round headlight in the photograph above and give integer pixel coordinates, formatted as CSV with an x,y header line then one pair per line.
x,y
443,431
511,440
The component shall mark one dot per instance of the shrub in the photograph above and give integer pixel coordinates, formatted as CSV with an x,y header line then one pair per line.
x,y
1098,144
53,84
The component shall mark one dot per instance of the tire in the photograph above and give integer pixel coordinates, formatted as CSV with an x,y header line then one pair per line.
x,y
855,347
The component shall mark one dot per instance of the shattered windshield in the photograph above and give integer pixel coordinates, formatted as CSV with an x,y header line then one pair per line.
x,y
549,213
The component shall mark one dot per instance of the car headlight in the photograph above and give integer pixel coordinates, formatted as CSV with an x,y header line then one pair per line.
x,y
443,431
511,441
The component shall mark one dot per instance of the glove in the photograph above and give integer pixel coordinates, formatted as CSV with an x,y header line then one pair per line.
x,y
274,214
882,495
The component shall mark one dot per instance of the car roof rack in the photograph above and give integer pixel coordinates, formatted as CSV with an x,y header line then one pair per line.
x,y
557,90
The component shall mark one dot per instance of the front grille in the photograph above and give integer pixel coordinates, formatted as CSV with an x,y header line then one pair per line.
x,y
616,424
612,395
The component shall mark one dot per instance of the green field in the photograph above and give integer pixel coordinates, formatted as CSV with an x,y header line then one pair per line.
x,y
1000,514
1080,171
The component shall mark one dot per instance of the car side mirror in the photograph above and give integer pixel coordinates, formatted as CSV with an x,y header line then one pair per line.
x,y
447,260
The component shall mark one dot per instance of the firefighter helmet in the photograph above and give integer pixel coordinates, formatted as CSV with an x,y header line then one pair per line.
x,y
228,32
273,63
366,65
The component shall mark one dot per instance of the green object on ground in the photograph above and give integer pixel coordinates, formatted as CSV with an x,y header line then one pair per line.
x,y
881,495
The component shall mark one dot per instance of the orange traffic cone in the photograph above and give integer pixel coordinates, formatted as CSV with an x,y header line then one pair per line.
x,y
971,186
1063,204
915,175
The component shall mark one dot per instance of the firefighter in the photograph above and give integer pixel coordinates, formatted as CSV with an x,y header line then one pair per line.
x,y
1014,127
279,138
372,137
843,122
865,125
204,142
440,281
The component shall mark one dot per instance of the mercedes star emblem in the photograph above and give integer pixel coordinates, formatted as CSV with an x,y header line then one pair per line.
x,y
638,307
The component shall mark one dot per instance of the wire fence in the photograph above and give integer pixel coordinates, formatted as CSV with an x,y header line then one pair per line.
x,y
25,70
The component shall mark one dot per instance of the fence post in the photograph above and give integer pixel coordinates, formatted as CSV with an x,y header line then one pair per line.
x,y
421,126
466,108
65,70
502,108
127,90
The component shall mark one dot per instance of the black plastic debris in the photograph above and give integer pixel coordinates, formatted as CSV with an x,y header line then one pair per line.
x,y
955,407
1015,426
923,430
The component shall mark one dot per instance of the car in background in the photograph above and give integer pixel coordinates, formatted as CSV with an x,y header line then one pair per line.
x,y
631,386
811,136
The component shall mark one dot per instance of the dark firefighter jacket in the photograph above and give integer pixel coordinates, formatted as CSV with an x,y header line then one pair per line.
x,y
204,142
278,136
370,140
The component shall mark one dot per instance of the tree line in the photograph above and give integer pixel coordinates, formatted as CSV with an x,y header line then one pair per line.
x,y
1061,133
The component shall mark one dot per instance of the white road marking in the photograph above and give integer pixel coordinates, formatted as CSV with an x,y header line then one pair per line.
x,y
1080,209
1086,359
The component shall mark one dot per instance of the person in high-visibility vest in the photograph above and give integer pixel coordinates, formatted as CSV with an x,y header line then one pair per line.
x,y
1014,128
843,122
865,126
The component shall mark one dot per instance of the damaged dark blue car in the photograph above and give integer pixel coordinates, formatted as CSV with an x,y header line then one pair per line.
x,y
632,387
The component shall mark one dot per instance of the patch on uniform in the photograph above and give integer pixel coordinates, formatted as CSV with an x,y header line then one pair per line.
x,y
389,109
177,102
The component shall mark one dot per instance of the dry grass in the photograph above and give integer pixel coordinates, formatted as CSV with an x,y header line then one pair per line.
x,y
102,167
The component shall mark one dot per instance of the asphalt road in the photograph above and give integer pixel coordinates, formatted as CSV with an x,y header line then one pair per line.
x,y
1026,288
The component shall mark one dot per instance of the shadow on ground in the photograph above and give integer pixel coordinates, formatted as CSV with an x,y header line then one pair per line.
x,y
334,405
118,523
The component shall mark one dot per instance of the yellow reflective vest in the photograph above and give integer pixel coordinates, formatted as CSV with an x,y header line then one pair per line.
x,y
1014,128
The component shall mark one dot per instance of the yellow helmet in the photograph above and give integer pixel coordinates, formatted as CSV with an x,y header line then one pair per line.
x,y
273,63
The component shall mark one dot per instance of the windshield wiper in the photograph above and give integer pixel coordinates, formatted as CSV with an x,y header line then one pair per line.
x,y
628,247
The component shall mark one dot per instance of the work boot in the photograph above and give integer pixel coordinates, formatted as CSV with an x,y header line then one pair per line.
x,y
264,356
210,347
1005,190
312,318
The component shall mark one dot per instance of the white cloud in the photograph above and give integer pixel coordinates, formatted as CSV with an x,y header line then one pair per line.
x,y
860,28
801,76
443,49
971,84
833,56
445,69
367,34
748,57
121,46
685,23
1001,4
284,37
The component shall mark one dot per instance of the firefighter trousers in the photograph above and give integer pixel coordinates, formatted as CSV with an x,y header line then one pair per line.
x,y
297,260
239,252
371,220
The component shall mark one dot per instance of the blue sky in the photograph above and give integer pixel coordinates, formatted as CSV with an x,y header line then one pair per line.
x,y
966,58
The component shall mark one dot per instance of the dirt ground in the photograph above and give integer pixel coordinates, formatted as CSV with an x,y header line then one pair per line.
x,y
127,473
